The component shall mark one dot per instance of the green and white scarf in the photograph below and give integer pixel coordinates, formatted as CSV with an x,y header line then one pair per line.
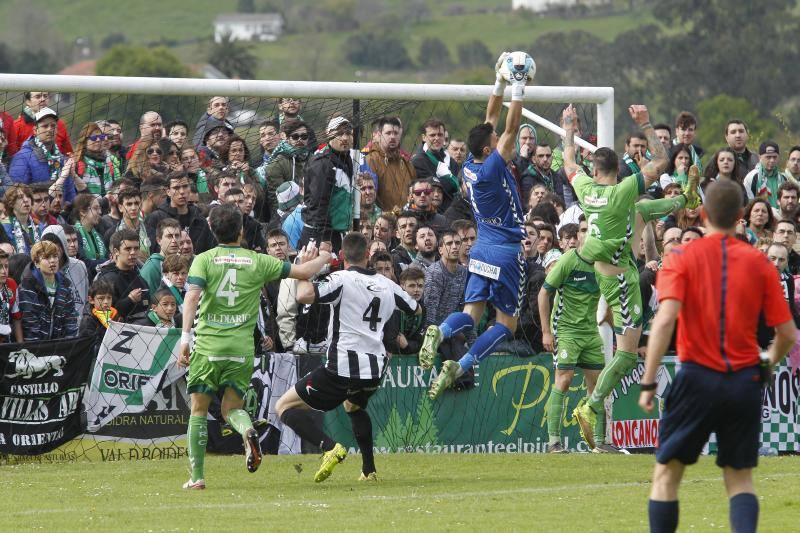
x,y
761,186
175,292
94,248
54,159
144,240
20,244
157,322
100,175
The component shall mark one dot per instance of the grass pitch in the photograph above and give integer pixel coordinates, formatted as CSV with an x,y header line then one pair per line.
x,y
514,492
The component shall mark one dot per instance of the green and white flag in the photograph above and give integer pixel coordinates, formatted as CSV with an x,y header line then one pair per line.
x,y
133,364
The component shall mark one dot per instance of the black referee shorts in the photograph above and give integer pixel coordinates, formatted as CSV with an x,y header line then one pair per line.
x,y
702,401
323,390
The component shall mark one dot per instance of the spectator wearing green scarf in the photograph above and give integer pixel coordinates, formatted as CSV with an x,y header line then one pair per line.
x,y
287,161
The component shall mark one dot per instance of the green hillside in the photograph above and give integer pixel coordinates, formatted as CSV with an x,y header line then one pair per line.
x,y
303,52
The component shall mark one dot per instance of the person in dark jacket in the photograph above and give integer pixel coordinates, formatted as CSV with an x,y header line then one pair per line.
x,y
177,207
98,311
433,161
409,327
420,205
460,208
329,184
130,290
45,297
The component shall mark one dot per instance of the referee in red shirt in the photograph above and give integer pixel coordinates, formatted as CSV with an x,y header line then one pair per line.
x,y
715,287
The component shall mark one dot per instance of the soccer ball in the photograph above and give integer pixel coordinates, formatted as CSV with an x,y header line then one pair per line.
x,y
516,66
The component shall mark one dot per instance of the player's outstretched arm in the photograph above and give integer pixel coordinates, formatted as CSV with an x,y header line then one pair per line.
x,y
569,121
652,171
312,260
495,104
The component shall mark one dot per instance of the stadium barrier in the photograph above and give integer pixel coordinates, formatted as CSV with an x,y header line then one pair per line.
x,y
60,402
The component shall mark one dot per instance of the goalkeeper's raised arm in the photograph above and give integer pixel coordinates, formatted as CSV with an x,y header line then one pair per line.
x,y
514,68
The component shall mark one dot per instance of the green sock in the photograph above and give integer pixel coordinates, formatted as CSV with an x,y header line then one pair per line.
x,y
612,374
197,437
653,209
555,414
600,427
239,420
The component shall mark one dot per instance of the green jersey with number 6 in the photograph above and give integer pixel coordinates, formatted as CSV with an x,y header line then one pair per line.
x,y
231,278
611,214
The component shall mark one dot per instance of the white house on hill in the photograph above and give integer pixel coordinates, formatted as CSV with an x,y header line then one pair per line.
x,y
540,6
248,26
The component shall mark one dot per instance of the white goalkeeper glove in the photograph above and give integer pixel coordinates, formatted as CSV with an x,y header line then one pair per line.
x,y
499,81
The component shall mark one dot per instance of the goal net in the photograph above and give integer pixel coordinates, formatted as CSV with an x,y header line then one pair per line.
x,y
502,407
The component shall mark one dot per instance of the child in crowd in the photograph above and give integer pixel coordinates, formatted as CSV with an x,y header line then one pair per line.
x,y
98,311
162,313
10,315
175,269
409,338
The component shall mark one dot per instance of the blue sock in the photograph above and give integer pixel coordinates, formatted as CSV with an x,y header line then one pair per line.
x,y
663,516
744,513
484,345
456,323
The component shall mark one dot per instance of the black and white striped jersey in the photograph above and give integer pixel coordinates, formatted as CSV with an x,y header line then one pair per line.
x,y
361,303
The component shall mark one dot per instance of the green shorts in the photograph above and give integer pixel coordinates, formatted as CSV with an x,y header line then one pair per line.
x,y
611,251
583,352
211,374
624,297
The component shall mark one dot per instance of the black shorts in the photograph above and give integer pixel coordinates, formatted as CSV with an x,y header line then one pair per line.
x,y
323,390
702,401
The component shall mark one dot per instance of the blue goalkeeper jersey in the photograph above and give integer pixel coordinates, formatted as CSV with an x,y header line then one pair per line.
x,y
495,201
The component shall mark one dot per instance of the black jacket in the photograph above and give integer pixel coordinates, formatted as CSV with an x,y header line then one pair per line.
x,y
320,185
193,222
431,218
124,281
426,169
458,210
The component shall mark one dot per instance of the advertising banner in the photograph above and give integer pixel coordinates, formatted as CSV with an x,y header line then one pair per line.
x,y
41,387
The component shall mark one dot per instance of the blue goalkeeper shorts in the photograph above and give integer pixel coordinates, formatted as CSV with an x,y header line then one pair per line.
x,y
497,274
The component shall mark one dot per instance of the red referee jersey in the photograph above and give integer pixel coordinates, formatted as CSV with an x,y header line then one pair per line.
x,y
723,285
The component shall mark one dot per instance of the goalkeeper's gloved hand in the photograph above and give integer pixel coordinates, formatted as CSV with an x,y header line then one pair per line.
x,y
499,81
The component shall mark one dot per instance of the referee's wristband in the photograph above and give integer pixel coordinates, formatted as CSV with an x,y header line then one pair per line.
x,y
186,337
648,386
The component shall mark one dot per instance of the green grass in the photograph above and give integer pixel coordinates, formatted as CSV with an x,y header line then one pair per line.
x,y
416,493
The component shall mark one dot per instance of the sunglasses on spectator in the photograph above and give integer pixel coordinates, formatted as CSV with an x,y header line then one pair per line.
x,y
98,137
299,136
151,151
420,192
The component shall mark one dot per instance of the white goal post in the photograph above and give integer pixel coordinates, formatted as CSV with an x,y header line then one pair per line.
x,y
602,97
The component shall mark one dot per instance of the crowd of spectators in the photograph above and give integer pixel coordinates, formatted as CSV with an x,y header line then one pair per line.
x,y
99,230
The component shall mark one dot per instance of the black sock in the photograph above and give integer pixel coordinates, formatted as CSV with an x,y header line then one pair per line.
x,y
663,516
301,422
272,441
744,513
362,429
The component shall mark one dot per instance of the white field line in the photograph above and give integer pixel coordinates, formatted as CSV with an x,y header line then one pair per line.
x,y
105,509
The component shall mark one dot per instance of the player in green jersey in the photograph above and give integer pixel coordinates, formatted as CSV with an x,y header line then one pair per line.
x,y
612,212
571,335
226,282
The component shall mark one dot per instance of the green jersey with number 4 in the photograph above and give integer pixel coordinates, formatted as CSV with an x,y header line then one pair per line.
x,y
231,278
611,215
577,295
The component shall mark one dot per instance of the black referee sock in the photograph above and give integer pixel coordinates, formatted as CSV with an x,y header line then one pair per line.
x,y
362,429
663,516
303,424
744,513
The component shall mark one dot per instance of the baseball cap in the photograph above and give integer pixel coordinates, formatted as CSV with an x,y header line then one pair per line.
x,y
44,113
335,123
288,194
768,147
551,257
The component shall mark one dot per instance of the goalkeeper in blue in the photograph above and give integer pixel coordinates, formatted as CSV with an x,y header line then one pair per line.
x,y
496,264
